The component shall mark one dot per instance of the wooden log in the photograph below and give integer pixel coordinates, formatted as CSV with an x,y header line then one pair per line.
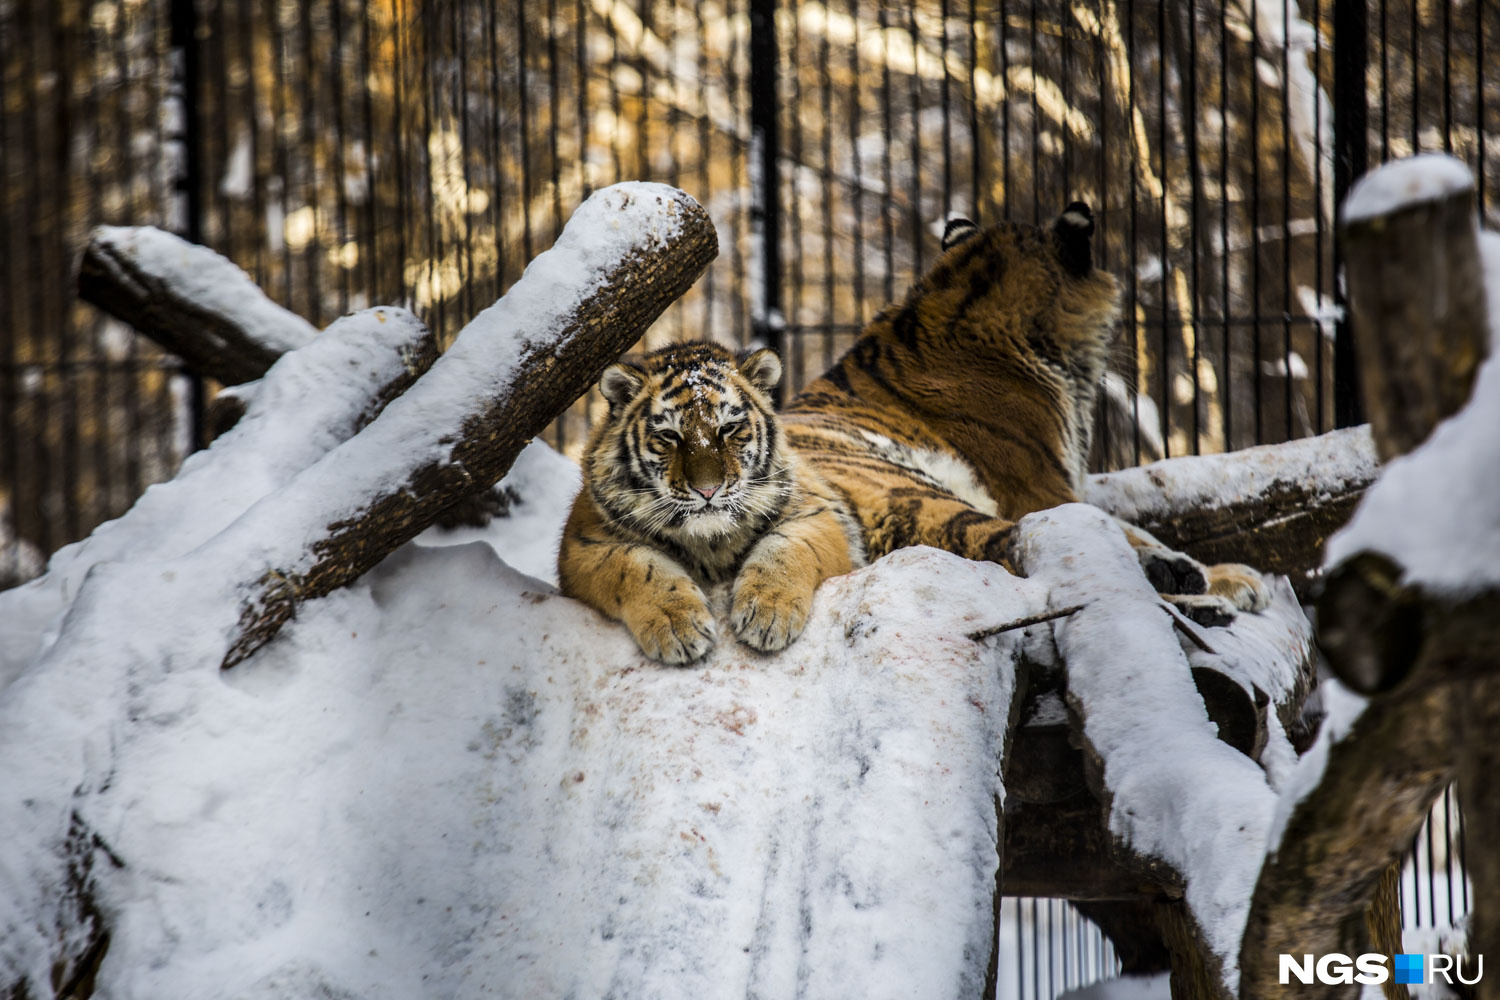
x,y
1416,295
1419,639
191,301
627,253
1314,892
1126,670
1271,507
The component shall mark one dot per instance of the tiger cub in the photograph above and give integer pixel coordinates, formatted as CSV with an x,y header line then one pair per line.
x,y
689,482
971,403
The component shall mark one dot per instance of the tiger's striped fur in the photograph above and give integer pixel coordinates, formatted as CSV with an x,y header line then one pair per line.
x,y
970,403
689,482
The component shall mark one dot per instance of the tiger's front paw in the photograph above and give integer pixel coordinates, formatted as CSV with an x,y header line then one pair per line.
x,y
1210,595
1240,585
1172,572
676,627
767,612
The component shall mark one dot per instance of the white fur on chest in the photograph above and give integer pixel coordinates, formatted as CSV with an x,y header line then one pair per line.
x,y
943,469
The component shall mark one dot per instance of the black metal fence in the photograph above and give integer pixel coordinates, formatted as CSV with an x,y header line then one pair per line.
x,y
347,153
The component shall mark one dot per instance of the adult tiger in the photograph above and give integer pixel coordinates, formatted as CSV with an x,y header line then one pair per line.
x,y
970,404
688,482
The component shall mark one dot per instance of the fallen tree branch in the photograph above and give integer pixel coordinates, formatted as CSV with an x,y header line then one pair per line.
x,y
191,301
627,253
1029,620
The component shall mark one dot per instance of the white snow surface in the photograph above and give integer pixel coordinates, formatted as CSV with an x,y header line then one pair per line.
x,y
555,815
542,484
1127,673
309,402
1414,180
1435,510
215,283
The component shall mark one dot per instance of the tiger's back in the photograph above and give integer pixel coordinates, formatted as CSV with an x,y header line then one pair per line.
x,y
970,403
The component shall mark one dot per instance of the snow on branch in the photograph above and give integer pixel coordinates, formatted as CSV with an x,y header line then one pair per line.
x,y
313,399
190,300
627,253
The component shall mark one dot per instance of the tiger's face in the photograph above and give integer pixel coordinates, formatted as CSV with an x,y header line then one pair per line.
x,y
692,448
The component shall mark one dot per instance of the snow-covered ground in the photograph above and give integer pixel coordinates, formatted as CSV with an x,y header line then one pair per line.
x,y
448,781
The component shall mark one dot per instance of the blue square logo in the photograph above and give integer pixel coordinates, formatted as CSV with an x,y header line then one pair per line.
x,y
1408,968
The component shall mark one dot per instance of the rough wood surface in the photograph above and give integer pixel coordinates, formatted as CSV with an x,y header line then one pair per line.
x,y
1416,301
1377,787
555,366
209,333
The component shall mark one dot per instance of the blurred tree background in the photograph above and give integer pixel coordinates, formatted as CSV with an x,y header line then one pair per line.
x,y
352,153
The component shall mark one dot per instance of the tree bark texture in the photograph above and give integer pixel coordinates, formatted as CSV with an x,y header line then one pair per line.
x,y
555,364
1377,786
1278,506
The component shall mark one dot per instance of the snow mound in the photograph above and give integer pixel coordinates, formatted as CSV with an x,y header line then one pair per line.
x,y
448,780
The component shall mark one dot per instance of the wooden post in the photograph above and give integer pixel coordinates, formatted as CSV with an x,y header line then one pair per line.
x,y
1426,655
1416,295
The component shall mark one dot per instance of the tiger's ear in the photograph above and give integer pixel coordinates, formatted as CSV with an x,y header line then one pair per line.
x,y
957,230
620,383
1075,229
762,369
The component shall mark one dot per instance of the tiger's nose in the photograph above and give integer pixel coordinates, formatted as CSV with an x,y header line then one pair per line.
x,y
707,492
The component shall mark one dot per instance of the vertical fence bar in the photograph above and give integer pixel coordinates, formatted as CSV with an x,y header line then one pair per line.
x,y
184,42
1350,155
767,326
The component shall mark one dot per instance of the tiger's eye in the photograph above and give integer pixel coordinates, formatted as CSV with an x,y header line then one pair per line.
x,y
667,436
730,429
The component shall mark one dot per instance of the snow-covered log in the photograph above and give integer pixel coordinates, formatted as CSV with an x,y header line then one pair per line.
x,y
313,399
1171,789
627,253
1410,613
190,300
1271,507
